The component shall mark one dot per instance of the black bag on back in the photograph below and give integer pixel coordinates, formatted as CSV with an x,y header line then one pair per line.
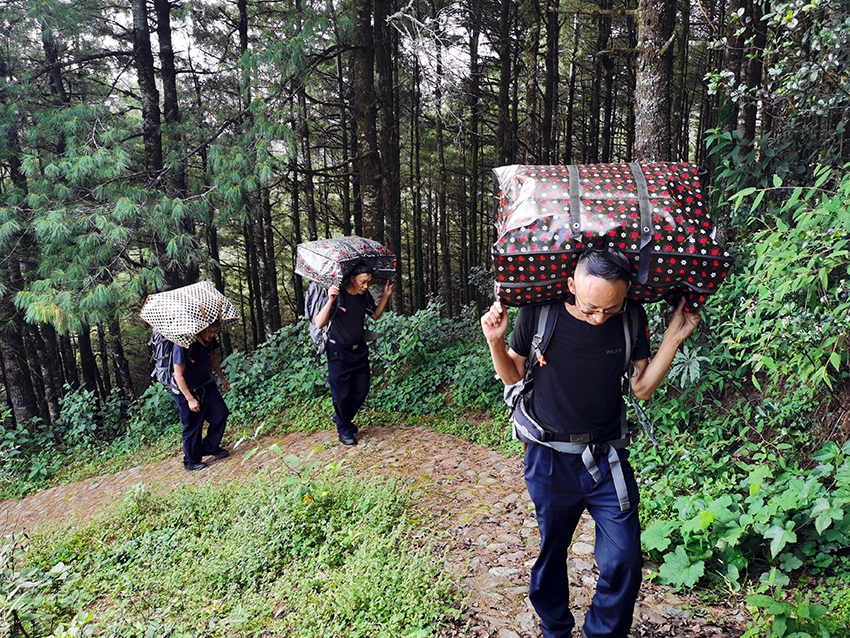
x,y
317,297
162,356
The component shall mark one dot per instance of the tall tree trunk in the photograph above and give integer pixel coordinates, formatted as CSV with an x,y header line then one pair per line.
x,y
388,137
18,381
757,30
503,134
104,360
88,362
120,365
365,115
442,187
533,125
143,57
69,361
601,73
474,146
345,191
654,71
418,287
552,81
733,62
571,95
171,108
54,360
271,303
44,382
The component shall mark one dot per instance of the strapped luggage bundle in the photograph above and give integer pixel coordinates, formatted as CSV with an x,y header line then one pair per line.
x,y
546,216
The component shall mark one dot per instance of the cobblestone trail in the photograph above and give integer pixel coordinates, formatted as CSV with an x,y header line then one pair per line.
x,y
476,496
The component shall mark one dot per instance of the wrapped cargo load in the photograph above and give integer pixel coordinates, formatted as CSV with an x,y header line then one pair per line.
x,y
328,261
546,216
180,314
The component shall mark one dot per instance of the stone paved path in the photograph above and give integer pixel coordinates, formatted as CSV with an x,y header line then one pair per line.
x,y
476,496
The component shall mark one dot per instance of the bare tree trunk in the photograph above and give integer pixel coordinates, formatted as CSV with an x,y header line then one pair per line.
x,y
365,114
652,90
120,365
442,186
345,193
533,125
474,146
88,362
143,58
568,135
171,108
271,303
757,30
69,361
552,80
504,131
104,360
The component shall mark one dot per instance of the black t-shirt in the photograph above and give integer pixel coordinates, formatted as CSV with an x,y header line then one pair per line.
x,y
196,358
578,390
348,324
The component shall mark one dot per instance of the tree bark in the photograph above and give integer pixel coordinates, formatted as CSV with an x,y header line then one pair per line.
x,y
88,362
365,115
474,146
18,380
442,187
756,28
171,107
503,135
46,390
652,90
120,365
69,361
552,81
143,58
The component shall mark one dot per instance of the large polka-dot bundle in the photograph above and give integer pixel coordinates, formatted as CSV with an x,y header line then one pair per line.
x,y
328,261
655,214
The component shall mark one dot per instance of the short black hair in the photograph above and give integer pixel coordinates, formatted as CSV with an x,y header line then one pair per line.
x,y
606,263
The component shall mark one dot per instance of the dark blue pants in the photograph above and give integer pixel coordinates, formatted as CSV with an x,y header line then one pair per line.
x,y
349,377
214,411
562,488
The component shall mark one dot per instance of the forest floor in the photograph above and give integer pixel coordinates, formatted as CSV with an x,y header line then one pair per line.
x,y
475,498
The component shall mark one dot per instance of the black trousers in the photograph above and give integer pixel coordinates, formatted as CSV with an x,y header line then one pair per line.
x,y
349,377
214,411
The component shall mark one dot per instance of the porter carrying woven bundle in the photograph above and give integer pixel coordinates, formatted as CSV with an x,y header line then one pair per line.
x,y
546,216
328,261
182,313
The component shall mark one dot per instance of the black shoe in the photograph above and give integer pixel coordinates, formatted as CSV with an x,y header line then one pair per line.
x,y
221,453
192,467
347,439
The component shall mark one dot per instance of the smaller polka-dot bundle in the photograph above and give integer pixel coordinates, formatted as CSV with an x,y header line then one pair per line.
x,y
655,214
328,261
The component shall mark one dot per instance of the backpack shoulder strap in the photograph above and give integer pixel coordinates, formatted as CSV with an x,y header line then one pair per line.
x,y
546,320
631,321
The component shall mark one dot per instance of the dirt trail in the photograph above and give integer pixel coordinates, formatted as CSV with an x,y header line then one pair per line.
x,y
475,495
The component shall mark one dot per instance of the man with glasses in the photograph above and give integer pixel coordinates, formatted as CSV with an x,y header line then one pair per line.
x,y
577,397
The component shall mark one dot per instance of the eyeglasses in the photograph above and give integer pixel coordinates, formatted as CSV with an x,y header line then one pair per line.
x,y
604,312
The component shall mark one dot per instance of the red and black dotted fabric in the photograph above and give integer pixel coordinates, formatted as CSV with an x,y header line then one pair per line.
x,y
536,251
328,261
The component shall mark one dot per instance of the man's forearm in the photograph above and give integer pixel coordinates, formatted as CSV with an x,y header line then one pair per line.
x,y
502,362
657,369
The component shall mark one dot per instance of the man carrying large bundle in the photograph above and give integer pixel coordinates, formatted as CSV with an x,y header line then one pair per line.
x,y
185,322
579,461
338,301
578,249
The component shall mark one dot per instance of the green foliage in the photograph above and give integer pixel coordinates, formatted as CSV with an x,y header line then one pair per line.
x,y
778,513
31,597
312,556
794,317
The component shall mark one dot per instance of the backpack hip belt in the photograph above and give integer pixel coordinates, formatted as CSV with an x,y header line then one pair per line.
x,y
527,429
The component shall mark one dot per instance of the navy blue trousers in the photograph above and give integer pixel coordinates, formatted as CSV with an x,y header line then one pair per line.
x,y
562,488
214,411
349,377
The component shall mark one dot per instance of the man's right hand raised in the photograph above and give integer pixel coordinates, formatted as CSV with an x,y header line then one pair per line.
x,y
333,292
494,323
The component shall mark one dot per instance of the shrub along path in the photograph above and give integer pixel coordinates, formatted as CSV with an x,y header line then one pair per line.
x,y
474,496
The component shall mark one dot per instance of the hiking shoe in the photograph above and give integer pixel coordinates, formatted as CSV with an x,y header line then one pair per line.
x,y
347,439
192,467
221,453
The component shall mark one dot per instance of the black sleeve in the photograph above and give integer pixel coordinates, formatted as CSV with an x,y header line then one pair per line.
x,y
642,346
523,333
371,306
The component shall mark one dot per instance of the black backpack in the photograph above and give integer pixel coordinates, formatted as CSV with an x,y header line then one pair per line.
x,y
317,297
162,356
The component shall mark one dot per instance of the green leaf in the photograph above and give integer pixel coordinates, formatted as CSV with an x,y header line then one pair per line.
x,y
657,535
780,536
777,181
825,513
678,570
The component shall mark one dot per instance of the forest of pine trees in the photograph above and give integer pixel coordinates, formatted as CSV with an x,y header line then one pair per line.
x,y
149,144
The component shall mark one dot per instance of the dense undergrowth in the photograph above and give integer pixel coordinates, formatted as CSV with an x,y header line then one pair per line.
x,y
748,494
